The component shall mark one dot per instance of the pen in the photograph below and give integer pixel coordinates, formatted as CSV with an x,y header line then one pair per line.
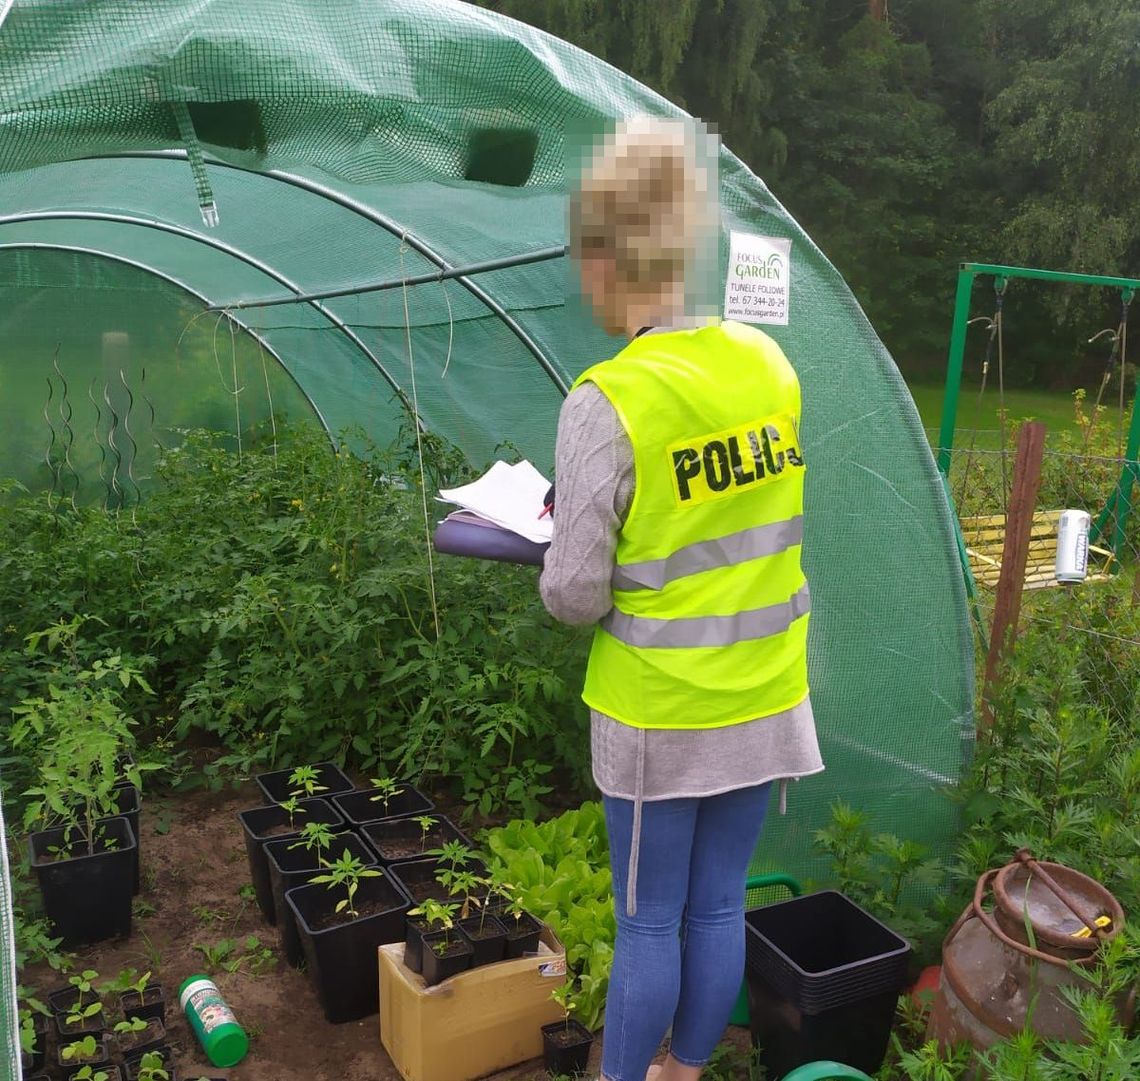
x,y
546,510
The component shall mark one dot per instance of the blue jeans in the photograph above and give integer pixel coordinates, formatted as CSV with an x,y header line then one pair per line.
x,y
680,960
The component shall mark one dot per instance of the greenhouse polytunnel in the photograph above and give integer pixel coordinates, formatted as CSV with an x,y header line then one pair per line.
x,y
164,165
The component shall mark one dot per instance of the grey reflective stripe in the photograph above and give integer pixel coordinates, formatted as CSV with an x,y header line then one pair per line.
x,y
646,633
761,540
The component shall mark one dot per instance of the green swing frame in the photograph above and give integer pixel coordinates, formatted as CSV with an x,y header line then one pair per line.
x,y
1120,503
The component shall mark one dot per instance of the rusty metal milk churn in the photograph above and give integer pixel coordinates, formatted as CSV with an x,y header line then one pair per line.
x,y
1003,967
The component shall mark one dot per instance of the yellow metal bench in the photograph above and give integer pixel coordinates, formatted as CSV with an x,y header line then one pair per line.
x,y
984,538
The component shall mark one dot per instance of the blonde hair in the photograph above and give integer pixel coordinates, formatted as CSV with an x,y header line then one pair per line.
x,y
643,201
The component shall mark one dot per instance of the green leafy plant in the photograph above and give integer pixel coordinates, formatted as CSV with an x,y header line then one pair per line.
x,y
28,1036
78,1050
438,915
89,1073
315,837
387,790
303,781
126,979
425,822
558,871
152,1067
293,807
346,872
87,1003
231,954
893,879
75,737
133,1024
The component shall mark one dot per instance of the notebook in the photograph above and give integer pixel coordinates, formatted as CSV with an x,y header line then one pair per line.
x,y
498,516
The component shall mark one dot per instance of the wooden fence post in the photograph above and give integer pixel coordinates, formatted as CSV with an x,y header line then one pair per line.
x,y
1015,553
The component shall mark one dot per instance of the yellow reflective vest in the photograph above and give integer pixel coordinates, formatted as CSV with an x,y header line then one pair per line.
x,y
710,614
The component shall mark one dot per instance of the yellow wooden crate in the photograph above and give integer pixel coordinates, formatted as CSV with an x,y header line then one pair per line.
x,y
984,537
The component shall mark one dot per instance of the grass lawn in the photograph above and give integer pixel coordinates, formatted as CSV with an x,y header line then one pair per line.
x,y
1055,409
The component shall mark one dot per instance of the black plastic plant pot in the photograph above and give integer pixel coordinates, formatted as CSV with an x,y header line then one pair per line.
x,y
290,867
417,878
38,1077
488,937
151,1003
330,778
522,934
368,805
86,897
62,999
94,1025
446,954
341,952
414,932
566,1048
134,1045
264,824
113,1074
131,1062
101,1059
401,839
829,993
127,803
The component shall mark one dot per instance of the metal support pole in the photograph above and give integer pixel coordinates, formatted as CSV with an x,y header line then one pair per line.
x,y
525,259
954,368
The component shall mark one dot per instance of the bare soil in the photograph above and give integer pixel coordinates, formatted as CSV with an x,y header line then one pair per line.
x,y
191,877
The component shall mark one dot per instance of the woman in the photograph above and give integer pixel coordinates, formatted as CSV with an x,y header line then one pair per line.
x,y
677,531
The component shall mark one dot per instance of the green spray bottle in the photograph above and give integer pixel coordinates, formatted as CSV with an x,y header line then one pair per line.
x,y
213,1022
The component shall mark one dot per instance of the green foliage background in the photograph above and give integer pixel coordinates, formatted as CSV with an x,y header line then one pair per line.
x,y
985,130
281,607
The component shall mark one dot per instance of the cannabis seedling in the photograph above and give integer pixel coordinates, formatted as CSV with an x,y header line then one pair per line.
x,y
387,789
425,822
293,806
347,872
303,781
315,836
438,916
463,884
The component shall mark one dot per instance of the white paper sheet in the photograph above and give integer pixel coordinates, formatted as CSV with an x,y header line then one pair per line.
x,y
509,496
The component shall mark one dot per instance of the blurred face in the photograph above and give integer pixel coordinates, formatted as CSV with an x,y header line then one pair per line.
x,y
598,275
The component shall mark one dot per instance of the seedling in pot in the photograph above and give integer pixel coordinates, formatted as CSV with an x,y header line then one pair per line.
x,y
425,822
439,917
292,806
29,1038
315,837
303,781
80,1050
347,872
454,854
566,1043
130,1027
387,789
30,1010
464,884
89,1073
152,1067
87,1003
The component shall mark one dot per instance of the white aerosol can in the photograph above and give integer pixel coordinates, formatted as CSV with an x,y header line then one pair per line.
x,y
1073,546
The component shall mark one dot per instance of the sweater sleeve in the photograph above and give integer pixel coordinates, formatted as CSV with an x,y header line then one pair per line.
x,y
593,469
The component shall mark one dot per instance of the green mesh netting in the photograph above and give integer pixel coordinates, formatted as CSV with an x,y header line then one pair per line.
x,y
346,143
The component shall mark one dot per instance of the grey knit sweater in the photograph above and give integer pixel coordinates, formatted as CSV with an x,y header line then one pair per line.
x,y
595,478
